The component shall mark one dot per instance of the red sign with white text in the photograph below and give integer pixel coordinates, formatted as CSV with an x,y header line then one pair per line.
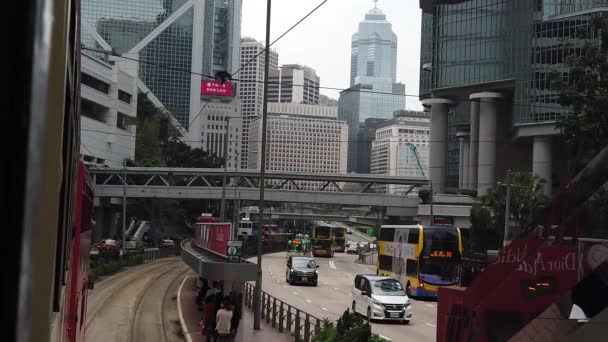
x,y
216,88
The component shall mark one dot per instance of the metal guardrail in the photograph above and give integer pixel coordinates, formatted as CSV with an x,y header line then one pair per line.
x,y
152,254
285,317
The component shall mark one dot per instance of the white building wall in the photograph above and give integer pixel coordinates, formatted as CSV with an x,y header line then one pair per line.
x,y
391,152
214,129
102,140
315,142
251,87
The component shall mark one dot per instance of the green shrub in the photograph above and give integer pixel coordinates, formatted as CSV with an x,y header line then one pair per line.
x,y
349,328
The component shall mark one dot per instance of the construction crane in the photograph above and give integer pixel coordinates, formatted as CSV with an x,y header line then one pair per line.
x,y
415,152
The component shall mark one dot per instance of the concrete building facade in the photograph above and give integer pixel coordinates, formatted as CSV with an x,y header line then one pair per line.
x,y
219,114
496,55
108,112
293,83
401,148
301,138
251,87
325,100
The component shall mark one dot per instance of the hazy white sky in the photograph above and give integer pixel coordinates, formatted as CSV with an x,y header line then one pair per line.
x,y
323,40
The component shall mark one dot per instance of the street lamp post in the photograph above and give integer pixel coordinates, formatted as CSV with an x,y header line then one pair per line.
x,y
258,282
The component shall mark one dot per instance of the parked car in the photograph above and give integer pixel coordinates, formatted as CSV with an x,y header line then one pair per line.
x,y
302,270
167,243
349,230
380,298
106,245
352,249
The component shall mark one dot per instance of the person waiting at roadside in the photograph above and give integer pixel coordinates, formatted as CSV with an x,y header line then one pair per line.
x,y
208,319
223,321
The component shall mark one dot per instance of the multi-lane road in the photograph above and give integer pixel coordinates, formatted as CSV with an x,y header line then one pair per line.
x,y
332,296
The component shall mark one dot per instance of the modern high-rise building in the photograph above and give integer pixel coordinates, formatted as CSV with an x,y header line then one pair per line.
x,y
374,92
370,98
176,41
293,83
497,56
219,115
251,86
301,138
108,107
401,148
374,48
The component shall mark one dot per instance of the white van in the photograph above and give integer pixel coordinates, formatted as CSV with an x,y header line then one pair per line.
x,y
380,298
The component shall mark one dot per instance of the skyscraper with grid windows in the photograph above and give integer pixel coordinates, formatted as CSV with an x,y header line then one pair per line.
x,y
167,46
251,86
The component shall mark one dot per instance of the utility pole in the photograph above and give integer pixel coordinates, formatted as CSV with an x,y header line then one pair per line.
x,y
235,219
124,207
507,210
258,283
431,216
223,201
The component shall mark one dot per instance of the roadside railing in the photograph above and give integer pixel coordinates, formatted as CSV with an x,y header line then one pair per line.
x,y
286,318
152,254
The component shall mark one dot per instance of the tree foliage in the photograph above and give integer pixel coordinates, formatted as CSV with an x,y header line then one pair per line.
x,y
528,206
156,146
583,89
349,328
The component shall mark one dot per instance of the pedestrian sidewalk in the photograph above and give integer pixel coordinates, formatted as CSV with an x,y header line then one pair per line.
x,y
190,318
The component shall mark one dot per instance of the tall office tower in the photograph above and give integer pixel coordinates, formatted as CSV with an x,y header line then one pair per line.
x,y
293,83
371,97
176,41
374,48
301,138
507,121
251,86
401,148
374,92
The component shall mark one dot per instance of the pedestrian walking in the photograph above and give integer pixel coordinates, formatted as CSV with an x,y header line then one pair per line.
x,y
223,322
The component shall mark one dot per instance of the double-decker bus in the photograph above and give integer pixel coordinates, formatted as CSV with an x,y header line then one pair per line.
x,y
423,259
339,235
322,239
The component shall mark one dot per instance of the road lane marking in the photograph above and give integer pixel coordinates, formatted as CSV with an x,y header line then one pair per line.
x,y
332,265
429,305
309,301
182,322
384,337
337,289
295,293
431,325
324,309
284,286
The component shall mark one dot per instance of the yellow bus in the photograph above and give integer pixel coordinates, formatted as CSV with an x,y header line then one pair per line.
x,y
322,239
423,259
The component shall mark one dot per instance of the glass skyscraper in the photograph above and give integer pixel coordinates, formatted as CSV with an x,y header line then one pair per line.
x,y
374,48
501,51
173,40
373,93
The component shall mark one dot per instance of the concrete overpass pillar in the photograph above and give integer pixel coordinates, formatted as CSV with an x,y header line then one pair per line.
x,y
473,145
464,164
541,161
486,167
439,142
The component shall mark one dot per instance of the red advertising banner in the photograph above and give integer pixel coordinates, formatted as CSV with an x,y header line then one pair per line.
x,y
217,88
213,236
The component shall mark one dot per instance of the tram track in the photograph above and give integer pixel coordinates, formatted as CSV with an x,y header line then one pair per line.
x,y
119,281
153,297
130,306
